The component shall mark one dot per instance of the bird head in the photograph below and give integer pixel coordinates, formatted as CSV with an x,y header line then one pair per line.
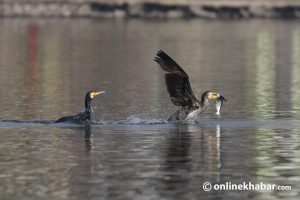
x,y
93,94
211,95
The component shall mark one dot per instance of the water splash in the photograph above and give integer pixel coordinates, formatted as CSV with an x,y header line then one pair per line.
x,y
132,120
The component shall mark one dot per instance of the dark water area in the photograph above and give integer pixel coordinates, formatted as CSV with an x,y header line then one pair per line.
x,y
130,151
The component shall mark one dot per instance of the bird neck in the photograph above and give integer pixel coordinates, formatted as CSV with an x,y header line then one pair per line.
x,y
88,108
204,101
88,101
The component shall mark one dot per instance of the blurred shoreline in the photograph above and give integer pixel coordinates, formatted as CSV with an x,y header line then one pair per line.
x,y
152,9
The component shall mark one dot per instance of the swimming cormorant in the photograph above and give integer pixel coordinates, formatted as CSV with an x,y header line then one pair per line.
x,y
180,91
85,115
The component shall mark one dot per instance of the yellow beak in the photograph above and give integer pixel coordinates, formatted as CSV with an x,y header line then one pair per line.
x,y
213,96
97,93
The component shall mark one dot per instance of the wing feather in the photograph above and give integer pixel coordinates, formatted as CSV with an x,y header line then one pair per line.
x,y
177,81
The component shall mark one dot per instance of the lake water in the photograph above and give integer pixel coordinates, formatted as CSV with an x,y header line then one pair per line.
x,y
47,66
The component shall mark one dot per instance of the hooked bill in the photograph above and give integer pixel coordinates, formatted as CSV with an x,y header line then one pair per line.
x,y
219,103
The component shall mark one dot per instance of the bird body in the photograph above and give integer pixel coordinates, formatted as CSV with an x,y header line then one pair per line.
x,y
80,118
190,112
184,113
85,115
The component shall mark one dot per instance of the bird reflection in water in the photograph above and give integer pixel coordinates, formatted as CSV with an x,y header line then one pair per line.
x,y
86,129
81,166
218,148
189,154
87,137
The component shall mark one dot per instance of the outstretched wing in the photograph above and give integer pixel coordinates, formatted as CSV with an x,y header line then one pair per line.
x,y
177,81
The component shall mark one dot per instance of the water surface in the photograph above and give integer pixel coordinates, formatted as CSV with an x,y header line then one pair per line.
x,y
131,152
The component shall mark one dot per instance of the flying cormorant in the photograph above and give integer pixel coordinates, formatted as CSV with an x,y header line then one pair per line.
x,y
180,91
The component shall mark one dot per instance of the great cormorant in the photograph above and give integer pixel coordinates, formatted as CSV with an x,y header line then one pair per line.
x,y
180,91
85,115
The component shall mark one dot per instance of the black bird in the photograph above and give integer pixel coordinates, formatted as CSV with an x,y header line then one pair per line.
x,y
85,115
180,91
